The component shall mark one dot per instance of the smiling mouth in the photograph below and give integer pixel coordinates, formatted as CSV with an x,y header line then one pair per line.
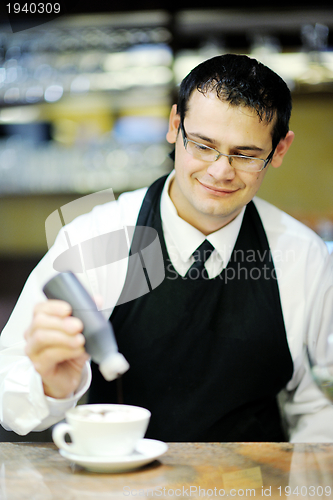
x,y
216,190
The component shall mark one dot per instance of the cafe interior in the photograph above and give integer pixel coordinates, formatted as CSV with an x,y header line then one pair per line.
x,y
84,104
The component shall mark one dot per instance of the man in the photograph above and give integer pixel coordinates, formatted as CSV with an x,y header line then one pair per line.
x,y
207,356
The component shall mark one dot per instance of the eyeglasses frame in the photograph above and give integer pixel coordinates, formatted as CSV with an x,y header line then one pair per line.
x,y
186,140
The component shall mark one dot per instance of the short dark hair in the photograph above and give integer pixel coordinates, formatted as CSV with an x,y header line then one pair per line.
x,y
241,81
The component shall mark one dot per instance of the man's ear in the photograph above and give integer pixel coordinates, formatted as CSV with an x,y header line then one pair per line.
x,y
174,122
281,149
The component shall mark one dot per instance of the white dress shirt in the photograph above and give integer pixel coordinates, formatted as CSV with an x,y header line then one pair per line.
x,y
182,239
305,278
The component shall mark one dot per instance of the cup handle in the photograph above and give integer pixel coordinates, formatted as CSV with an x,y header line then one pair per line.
x,y
58,435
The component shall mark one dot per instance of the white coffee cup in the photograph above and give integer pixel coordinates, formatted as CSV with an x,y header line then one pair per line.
x,y
101,430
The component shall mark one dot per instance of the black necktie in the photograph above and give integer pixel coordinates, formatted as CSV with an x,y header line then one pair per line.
x,y
201,254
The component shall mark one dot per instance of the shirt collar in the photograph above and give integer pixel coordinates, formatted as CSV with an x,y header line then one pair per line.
x,y
187,238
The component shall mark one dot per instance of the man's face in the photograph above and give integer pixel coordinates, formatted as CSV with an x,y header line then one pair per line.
x,y
210,195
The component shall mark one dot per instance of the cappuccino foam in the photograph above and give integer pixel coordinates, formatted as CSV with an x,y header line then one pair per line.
x,y
109,415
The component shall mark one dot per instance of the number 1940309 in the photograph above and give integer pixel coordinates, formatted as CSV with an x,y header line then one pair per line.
x,y
305,491
33,8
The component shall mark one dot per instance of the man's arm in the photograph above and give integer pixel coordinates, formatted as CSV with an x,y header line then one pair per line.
x,y
24,406
55,346
309,413
32,329
305,277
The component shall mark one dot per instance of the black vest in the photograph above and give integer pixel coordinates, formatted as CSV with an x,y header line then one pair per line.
x,y
207,357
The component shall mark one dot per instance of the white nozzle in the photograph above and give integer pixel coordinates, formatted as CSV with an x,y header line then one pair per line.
x,y
113,366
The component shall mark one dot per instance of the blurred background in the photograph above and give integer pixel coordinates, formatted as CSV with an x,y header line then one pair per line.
x,y
85,97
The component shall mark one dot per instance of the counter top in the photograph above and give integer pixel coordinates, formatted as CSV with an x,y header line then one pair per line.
x,y
187,470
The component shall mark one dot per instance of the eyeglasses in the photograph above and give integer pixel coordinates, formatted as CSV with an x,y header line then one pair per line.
x,y
238,162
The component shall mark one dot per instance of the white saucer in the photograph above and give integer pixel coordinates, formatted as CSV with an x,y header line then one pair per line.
x,y
146,451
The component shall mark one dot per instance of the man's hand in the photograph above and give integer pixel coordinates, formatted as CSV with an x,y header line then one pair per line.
x,y
55,345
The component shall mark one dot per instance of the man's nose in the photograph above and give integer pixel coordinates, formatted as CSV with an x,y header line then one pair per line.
x,y
221,169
